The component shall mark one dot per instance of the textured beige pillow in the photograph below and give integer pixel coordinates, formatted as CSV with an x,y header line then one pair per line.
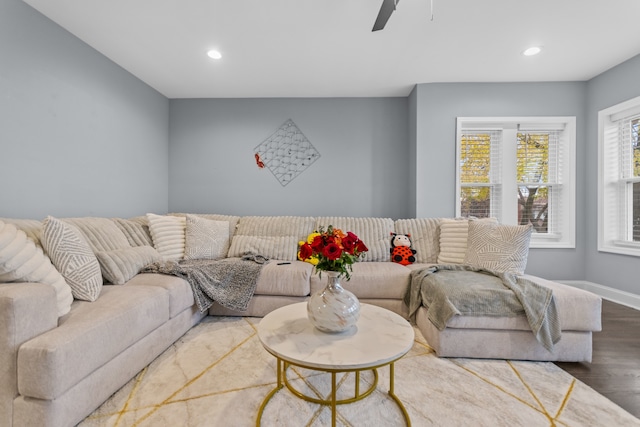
x,y
424,237
73,257
21,260
120,265
206,238
498,247
454,235
168,236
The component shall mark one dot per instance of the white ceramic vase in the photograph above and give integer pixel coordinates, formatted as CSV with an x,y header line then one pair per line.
x,y
333,309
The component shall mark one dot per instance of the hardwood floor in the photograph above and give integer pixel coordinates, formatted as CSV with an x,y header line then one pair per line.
x,y
615,368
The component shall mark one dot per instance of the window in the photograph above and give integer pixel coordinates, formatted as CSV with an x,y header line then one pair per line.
x,y
519,170
619,178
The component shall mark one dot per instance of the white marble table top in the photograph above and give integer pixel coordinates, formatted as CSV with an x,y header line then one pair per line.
x,y
380,337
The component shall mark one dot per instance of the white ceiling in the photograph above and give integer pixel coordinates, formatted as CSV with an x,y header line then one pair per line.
x,y
325,48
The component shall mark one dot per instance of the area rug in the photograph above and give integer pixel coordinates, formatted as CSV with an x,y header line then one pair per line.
x,y
218,374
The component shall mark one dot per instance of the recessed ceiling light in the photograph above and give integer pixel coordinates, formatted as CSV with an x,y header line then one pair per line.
x,y
534,50
214,54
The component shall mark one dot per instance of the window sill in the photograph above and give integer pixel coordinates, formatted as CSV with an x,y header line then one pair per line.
x,y
621,247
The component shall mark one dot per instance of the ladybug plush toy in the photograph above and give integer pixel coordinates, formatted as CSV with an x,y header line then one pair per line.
x,y
401,251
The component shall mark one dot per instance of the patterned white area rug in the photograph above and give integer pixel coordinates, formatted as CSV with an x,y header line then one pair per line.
x,y
218,375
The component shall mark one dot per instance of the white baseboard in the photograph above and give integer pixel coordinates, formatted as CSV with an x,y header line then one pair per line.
x,y
610,294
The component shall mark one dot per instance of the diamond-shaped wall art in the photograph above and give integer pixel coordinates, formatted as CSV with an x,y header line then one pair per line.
x,y
287,153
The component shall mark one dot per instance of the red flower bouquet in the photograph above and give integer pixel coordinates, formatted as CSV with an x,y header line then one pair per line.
x,y
332,250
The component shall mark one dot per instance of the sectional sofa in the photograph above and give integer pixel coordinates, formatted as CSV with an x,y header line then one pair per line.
x,y
78,319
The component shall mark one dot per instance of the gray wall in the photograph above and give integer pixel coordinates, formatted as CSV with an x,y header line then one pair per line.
x,y
79,135
363,145
439,104
611,87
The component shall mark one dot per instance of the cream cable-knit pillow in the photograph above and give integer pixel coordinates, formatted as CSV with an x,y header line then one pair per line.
x,y
21,260
168,235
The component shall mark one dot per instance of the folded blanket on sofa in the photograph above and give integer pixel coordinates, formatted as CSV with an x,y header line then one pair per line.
x,y
230,282
449,290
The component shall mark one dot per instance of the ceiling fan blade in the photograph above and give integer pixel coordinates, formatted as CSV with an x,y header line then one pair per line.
x,y
387,8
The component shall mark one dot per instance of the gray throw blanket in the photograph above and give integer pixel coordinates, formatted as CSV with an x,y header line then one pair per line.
x,y
449,290
230,282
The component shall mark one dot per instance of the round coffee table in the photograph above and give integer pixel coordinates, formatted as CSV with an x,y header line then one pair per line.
x,y
379,338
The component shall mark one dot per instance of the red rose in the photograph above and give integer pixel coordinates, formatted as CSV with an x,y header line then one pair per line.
x,y
305,251
361,247
349,242
317,244
332,251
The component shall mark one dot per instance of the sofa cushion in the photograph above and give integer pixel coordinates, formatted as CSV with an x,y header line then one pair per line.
x,y
180,293
120,265
386,280
374,232
498,247
425,237
578,310
21,260
206,238
90,335
102,234
167,233
275,237
284,279
136,230
73,258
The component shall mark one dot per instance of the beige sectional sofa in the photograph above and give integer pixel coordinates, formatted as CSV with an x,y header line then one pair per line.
x,y
58,364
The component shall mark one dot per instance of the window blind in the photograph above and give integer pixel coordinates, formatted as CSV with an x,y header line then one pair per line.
x,y
480,163
539,175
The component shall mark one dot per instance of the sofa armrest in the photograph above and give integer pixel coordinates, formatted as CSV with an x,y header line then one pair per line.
x,y
26,311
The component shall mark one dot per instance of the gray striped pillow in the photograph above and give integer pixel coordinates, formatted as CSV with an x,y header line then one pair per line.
x,y
71,255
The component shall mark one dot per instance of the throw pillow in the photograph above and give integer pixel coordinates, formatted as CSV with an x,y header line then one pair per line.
x,y
454,235
35,267
168,237
498,247
120,265
72,256
205,238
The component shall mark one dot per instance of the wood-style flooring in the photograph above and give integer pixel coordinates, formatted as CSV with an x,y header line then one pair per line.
x,y
615,368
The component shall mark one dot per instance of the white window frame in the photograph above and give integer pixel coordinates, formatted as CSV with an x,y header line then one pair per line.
x,y
566,237
612,215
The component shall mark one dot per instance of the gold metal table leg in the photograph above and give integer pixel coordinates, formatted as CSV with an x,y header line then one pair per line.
x,y
280,371
333,399
392,375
